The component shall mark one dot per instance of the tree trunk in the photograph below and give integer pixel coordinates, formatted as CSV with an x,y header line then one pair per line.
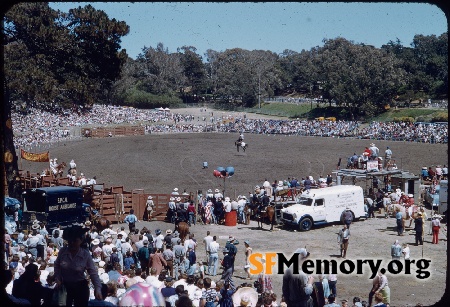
x,y
10,158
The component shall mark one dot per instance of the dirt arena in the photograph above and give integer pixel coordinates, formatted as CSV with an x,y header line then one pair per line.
x,y
159,163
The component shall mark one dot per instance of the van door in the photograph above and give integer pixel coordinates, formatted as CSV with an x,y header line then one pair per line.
x,y
319,210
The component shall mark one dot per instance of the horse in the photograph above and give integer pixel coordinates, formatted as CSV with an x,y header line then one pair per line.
x,y
241,144
268,213
183,230
99,222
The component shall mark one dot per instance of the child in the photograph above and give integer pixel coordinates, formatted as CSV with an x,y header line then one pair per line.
x,y
128,261
209,297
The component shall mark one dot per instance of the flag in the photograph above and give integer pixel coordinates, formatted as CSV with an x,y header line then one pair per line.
x,y
35,157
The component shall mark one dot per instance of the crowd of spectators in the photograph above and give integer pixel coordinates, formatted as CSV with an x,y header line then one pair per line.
x,y
35,126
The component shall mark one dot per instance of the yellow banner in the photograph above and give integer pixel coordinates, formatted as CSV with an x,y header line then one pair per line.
x,y
35,157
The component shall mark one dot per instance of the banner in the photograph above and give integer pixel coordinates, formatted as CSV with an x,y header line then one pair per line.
x,y
35,157
372,166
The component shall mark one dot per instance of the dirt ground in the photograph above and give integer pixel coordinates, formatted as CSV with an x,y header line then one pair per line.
x,y
159,163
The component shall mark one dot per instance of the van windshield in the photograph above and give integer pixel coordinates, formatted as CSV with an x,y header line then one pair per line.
x,y
305,201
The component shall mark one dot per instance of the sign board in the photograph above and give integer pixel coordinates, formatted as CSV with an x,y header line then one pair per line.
x,y
372,166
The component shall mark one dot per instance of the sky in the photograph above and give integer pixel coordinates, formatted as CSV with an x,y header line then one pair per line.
x,y
274,26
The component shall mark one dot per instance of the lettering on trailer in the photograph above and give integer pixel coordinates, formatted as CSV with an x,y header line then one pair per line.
x,y
62,207
62,200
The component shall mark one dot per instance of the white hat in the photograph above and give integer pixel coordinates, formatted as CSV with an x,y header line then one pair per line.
x,y
257,187
101,264
372,144
303,253
217,191
176,189
178,199
82,175
55,159
169,231
209,191
35,226
171,199
36,222
149,197
227,199
410,195
95,242
280,183
87,223
245,296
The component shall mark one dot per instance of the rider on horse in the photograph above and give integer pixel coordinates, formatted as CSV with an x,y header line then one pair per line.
x,y
241,138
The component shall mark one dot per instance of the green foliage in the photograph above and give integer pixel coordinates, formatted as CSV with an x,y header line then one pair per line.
x,y
145,100
404,119
440,117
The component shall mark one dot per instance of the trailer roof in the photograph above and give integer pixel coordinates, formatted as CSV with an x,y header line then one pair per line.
x,y
360,173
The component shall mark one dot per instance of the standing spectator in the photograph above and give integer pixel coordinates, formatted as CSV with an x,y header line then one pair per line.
x,y
248,252
329,180
150,206
375,285
159,239
144,257
297,288
371,208
387,156
396,250
70,267
28,285
179,253
32,241
191,212
332,281
227,264
383,287
445,172
331,301
438,172
348,217
406,251
157,261
435,226
431,173
131,220
213,260
343,238
209,296
374,151
399,220
207,240
307,183
232,249
192,257
418,227
128,261
168,256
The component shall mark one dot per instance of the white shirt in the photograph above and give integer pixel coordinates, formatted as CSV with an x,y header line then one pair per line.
x,y
214,247
406,253
227,206
82,181
207,240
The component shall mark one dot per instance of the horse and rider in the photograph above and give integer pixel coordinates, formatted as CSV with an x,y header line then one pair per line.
x,y
240,142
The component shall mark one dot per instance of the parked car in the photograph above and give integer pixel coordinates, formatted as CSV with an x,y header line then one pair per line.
x,y
431,197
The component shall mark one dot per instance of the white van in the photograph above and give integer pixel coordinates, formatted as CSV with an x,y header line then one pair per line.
x,y
443,194
323,206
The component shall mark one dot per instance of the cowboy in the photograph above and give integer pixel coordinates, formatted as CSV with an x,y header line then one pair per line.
x,y
418,227
399,219
171,213
387,156
232,249
265,201
343,238
131,220
374,151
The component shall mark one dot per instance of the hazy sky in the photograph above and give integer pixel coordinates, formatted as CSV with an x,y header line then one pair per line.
x,y
267,26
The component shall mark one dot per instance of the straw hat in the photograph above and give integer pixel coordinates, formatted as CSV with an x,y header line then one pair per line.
x,y
168,231
245,296
95,242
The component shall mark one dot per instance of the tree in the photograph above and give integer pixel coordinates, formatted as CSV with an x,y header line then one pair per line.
x,y
358,77
53,58
194,70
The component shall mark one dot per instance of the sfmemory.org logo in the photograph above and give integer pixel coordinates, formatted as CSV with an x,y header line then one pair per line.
x,y
277,263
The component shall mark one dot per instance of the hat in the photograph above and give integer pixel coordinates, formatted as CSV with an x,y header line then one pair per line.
x,y
123,240
145,242
280,183
87,223
176,189
231,238
247,242
176,233
36,222
13,265
82,175
178,199
158,231
171,199
95,242
410,195
168,231
424,167
169,279
120,234
245,296
227,199
35,226
257,187
74,231
209,191
149,197
302,252
101,264
372,144
216,191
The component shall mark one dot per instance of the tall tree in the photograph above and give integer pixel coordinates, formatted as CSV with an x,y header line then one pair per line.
x,y
194,71
361,78
53,58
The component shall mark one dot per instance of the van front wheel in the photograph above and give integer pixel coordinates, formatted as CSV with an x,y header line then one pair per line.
x,y
305,224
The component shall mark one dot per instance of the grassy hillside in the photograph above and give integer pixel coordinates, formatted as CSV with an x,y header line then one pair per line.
x,y
305,111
